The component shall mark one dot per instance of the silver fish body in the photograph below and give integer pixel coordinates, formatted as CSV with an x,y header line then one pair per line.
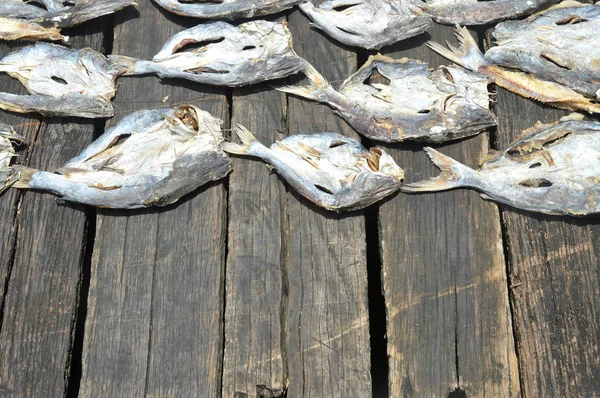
x,y
150,158
418,104
369,24
227,9
560,45
474,12
329,169
551,57
552,169
61,14
61,81
234,55
19,29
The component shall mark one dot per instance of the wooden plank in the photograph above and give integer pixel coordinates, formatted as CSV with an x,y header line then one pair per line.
x,y
255,303
41,301
327,327
449,323
554,273
156,292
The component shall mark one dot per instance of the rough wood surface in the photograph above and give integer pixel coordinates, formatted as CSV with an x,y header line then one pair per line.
x,y
155,303
41,297
255,303
449,322
554,268
327,330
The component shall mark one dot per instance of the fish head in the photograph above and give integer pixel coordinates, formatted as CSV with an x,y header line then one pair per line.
x,y
380,161
56,71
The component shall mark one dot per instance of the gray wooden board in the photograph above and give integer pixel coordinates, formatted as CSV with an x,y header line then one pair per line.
x,y
255,301
154,321
554,268
41,299
327,324
444,277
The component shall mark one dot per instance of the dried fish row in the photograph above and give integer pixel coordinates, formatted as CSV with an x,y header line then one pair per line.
x,y
150,158
223,54
417,104
551,168
329,169
552,57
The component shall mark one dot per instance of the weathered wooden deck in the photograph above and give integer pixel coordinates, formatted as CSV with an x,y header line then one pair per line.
x,y
246,289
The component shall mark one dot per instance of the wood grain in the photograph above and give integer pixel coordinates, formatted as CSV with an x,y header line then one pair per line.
x,y
327,329
449,321
156,293
256,298
42,293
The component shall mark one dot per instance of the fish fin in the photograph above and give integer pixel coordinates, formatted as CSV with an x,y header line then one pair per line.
x,y
316,90
25,175
468,55
127,62
451,177
245,136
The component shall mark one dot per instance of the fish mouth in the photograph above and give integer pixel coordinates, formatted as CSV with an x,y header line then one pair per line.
x,y
188,116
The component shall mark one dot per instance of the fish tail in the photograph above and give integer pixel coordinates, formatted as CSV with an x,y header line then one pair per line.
x,y
454,174
24,175
128,63
247,139
316,90
468,55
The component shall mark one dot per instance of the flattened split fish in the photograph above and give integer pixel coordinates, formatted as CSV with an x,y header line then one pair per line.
x,y
61,81
21,20
475,12
150,158
369,24
552,169
418,104
331,170
556,52
226,9
8,176
248,53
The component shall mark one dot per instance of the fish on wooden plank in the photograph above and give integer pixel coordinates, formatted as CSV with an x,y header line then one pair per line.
x,y
551,169
417,104
552,56
226,9
329,169
370,24
223,54
150,158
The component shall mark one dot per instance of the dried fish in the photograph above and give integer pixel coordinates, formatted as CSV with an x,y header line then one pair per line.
x,y
551,57
331,170
61,14
8,176
17,29
22,20
150,158
474,12
369,24
552,169
223,54
226,9
61,81
417,104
